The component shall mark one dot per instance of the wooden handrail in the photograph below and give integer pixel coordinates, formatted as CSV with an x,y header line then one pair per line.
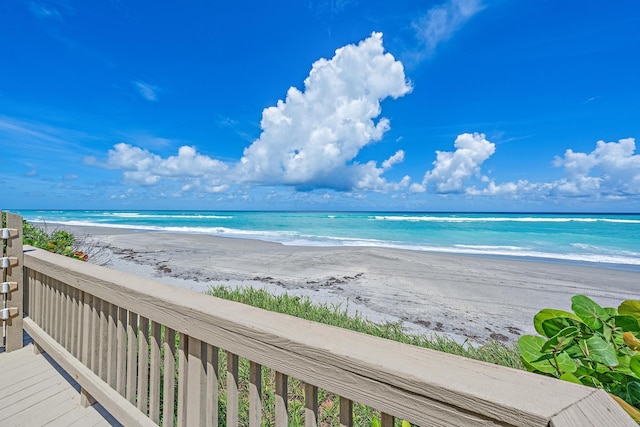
x,y
422,386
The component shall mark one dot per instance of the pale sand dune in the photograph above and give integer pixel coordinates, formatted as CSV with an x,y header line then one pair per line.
x,y
464,296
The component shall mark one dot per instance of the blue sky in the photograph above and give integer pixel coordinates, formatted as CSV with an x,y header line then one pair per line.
x,y
407,105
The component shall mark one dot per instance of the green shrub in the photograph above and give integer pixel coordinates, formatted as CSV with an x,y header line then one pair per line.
x,y
593,346
59,241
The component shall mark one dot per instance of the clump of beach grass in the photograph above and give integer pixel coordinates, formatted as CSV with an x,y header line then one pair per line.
x,y
333,314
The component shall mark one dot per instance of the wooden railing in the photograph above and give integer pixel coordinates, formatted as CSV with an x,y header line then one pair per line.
x,y
115,333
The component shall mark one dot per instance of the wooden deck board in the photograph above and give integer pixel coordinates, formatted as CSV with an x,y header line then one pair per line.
x,y
37,392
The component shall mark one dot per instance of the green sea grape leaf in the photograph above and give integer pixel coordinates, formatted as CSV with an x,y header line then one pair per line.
x,y
631,308
601,352
560,340
634,365
375,423
550,313
531,351
626,323
569,377
587,310
633,391
610,311
552,327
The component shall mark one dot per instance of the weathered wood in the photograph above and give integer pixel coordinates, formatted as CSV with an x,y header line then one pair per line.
x,y
117,406
121,358
183,367
232,390
282,400
14,273
310,405
212,386
95,335
74,336
86,327
419,385
598,408
154,373
255,394
143,365
168,383
103,339
68,323
196,383
346,412
132,356
112,345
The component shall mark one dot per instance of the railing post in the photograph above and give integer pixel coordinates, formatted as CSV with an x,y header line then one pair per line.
x,y
12,287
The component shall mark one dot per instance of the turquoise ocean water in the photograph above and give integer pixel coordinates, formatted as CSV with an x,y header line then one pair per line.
x,y
612,239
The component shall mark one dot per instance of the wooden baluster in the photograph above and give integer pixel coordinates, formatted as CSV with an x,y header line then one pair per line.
x,y
143,365
255,394
310,405
103,340
182,379
112,341
212,386
154,369
387,420
121,357
196,383
169,384
232,390
132,354
346,412
282,400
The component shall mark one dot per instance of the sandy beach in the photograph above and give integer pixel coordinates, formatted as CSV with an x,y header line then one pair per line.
x,y
463,296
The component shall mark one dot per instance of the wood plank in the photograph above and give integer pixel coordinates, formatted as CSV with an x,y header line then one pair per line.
x,y
310,405
282,400
232,390
419,385
95,335
112,345
68,311
86,327
74,337
132,356
212,386
255,394
13,326
346,412
168,381
143,365
117,406
121,358
154,373
598,409
196,383
183,350
103,343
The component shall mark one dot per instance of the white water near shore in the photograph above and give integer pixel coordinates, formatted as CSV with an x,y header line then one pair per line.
x,y
463,296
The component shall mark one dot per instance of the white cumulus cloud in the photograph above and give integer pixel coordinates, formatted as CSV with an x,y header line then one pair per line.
x,y
311,138
140,166
452,169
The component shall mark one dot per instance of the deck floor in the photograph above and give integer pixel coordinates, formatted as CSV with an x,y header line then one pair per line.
x,y
37,392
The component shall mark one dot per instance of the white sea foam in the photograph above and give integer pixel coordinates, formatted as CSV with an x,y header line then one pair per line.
x,y
147,216
499,219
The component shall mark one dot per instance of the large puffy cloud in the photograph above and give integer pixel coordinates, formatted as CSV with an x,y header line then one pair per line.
x,y
311,138
140,166
452,169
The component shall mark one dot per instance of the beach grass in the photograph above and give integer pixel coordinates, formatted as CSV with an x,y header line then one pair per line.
x,y
336,315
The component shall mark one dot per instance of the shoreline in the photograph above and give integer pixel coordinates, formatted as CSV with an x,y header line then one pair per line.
x,y
464,296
